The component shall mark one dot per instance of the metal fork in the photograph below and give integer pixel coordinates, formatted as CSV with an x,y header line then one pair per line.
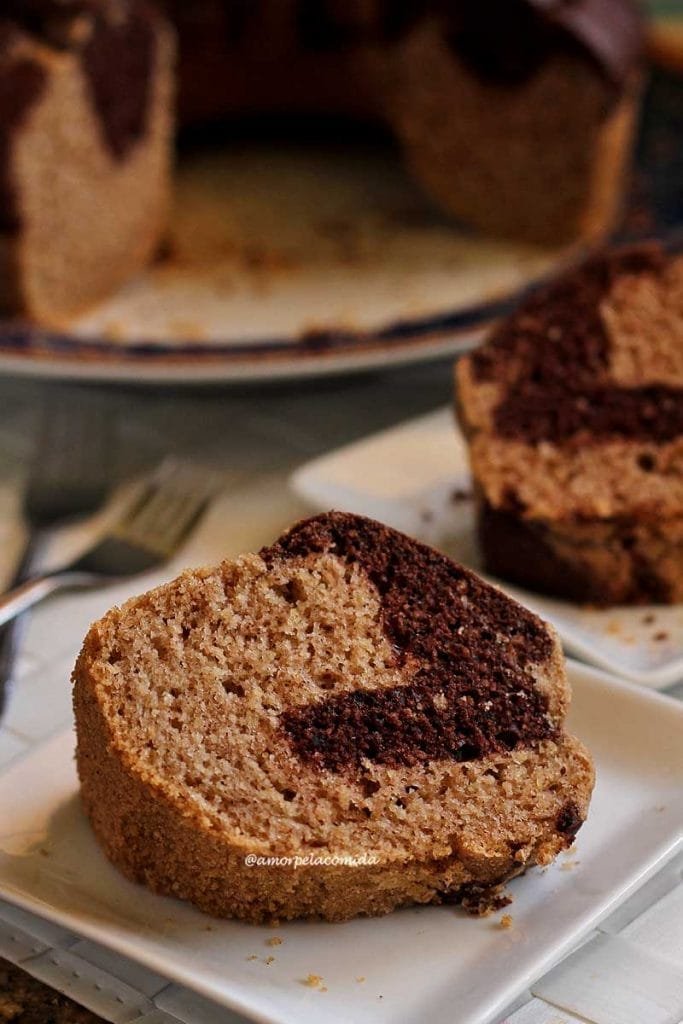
x,y
147,535
68,480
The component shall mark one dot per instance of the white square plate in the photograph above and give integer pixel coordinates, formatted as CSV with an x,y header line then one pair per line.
x,y
416,478
417,964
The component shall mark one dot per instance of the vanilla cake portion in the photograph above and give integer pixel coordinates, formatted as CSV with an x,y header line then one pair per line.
x,y
346,695
86,92
574,413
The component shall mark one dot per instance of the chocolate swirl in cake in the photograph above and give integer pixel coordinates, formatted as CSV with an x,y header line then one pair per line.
x,y
554,356
468,652
61,23
118,61
509,39
501,40
327,25
21,83
116,41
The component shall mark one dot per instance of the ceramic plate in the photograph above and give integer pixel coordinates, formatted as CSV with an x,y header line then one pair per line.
x,y
283,261
305,258
414,965
297,259
415,477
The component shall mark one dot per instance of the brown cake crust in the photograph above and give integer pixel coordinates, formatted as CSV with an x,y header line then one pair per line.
x,y
595,562
230,656
574,414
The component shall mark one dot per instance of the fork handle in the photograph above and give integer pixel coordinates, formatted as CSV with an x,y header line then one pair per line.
x,y
10,634
26,595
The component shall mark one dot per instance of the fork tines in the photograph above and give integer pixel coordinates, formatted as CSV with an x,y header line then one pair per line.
x,y
174,499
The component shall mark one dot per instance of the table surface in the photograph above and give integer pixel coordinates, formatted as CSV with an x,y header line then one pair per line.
x,y
256,437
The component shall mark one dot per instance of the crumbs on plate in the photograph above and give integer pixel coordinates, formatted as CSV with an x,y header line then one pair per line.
x,y
481,901
314,981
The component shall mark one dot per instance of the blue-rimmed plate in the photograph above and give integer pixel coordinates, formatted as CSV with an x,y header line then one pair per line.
x,y
282,262
291,260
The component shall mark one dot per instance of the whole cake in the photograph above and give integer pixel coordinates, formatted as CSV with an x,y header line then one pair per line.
x,y
517,115
574,413
367,722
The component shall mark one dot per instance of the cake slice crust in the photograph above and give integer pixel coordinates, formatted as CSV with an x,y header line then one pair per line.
x,y
289,705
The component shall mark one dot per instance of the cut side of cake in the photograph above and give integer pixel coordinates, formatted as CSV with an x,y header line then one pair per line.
x,y
518,115
574,413
86,93
373,722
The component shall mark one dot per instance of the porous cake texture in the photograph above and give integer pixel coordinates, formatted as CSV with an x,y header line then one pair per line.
x,y
376,718
574,413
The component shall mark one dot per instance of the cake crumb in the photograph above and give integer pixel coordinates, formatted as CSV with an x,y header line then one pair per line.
x,y
360,979
269,960
275,941
313,981
661,636
252,957
649,619
460,494
482,901
115,331
506,921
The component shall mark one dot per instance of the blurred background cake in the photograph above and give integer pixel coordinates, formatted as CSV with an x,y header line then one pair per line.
x,y
516,115
86,97
574,414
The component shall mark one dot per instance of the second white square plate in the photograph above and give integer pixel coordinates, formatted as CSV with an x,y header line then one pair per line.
x,y
415,477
